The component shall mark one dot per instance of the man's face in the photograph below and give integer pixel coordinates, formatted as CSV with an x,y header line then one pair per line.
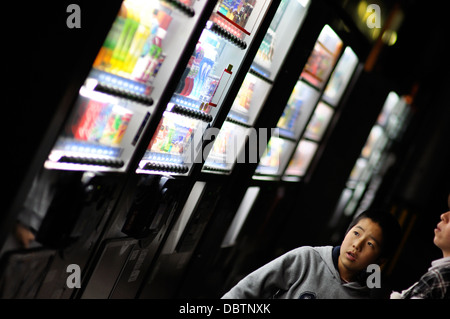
x,y
360,248
442,232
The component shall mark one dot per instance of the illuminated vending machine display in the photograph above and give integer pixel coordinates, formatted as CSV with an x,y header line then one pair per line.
x,y
126,81
74,195
361,184
177,142
321,117
300,106
238,127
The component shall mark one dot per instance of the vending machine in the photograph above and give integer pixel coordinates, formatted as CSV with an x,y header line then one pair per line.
x,y
164,176
290,151
239,125
300,129
241,141
300,107
128,79
273,211
177,142
311,111
372,163
73,196
320,118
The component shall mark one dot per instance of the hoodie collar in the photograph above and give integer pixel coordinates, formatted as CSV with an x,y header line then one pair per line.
x,y
335,255
361,278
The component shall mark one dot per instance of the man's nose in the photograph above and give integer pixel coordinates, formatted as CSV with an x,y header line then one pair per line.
x,y
357,244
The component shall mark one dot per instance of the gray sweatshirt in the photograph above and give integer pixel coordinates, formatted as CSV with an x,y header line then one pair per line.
x,y
305,273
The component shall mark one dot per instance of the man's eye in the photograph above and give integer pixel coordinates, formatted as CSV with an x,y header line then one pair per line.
x,y
371,244
355,233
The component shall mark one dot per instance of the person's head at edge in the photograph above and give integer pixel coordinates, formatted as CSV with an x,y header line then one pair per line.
x,y
442,232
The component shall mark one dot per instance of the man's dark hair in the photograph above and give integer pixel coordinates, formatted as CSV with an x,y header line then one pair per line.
x,y
392,232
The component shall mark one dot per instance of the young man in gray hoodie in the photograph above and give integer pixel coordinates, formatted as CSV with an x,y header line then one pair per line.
x,y
326,272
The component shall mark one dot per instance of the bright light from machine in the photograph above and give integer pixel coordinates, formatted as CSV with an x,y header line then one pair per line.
x,y
303,3
375,33
389,37
91,83
362,9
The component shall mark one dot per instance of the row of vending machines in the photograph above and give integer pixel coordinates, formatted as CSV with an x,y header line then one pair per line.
x,y
191,113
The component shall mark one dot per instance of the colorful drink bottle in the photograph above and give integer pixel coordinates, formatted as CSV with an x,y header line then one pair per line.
x,y
208,60
83,128
145,55
123,122
145,69
100,123
124,51
189,82
124,41
154,54
103,59
141,35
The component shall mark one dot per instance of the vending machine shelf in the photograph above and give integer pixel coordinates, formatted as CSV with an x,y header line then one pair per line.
x,y
231,118
92,161
217,170
186,111
232,38
162,167
241,15
182,6
116,85
178,141
259,73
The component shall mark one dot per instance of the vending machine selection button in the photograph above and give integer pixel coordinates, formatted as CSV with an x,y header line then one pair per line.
x,y
182,7
119,86
175,168
228,36
92,161
186,111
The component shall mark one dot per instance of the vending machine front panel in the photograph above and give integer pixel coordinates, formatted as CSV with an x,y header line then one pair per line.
x,y
207,79
126,81
323,58
318,123
258,81
302,158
